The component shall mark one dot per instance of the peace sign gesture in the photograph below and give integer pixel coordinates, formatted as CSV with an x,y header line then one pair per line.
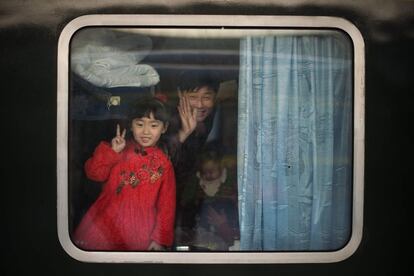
x,y
188,116
118,142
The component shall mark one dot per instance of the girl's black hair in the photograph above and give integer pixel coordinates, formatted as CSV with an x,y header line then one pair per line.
x,y
143,107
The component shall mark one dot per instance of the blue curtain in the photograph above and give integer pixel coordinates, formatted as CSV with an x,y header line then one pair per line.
x,y
295,142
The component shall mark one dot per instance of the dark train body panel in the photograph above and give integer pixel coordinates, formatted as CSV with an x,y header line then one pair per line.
x,y
29,35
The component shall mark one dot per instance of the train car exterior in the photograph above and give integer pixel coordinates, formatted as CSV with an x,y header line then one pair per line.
x,y
32,37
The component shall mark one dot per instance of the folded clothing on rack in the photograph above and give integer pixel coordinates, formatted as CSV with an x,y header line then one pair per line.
x,y
109,58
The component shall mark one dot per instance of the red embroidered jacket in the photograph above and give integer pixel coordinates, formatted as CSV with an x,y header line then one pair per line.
x,y
137,202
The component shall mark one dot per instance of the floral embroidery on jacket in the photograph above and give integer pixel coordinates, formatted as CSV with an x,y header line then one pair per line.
x,y
146,173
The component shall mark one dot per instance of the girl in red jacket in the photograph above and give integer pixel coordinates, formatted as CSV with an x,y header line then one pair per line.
x,y
136,208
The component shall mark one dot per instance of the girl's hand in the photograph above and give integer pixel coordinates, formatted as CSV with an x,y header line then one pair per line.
x,y
154,246
118,142
187,116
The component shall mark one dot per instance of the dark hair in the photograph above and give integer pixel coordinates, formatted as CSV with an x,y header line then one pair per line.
x,y
194,79
143,107
210,152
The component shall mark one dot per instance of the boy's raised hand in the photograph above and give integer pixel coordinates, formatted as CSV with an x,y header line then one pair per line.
x,y
118,142
187,116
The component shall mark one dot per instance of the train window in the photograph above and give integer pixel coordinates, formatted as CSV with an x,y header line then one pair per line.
x,y
210,139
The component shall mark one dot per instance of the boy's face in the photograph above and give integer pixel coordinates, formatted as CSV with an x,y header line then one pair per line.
x,y
210,170
203,100
147,131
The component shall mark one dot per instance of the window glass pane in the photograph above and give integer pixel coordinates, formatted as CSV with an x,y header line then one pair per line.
x,y
114,68
257,144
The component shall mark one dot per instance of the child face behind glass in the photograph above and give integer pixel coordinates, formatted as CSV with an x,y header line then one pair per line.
x,y
210,170
147,130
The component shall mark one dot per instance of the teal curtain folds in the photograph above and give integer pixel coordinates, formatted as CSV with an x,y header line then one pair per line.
x,y
295,142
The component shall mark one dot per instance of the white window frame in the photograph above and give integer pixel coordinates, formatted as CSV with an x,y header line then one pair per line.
x,y
210,21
